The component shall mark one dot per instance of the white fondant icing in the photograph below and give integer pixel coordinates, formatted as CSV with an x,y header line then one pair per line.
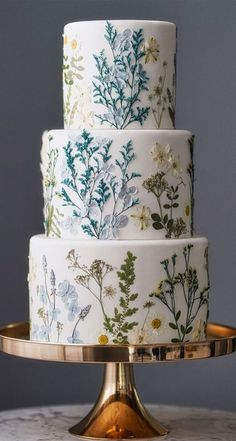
x,y
119,74
93,292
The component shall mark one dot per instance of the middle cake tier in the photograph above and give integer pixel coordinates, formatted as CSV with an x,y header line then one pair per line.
x,y
118,184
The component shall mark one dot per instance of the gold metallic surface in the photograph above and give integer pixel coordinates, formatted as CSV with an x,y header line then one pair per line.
x,y
118,412
14,340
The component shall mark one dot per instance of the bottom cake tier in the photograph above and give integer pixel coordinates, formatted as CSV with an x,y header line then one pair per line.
x,y
118,292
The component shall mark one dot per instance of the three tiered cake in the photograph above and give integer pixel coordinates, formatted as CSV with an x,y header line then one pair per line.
x,y
118,263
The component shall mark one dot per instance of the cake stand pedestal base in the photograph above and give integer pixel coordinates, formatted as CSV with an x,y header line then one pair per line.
x,y
118,412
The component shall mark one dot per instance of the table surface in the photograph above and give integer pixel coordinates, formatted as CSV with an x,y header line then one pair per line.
x,y
51,423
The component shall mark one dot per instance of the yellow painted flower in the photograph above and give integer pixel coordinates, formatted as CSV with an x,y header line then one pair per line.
x,y
65,38
74,44
151,50
103,339
142,217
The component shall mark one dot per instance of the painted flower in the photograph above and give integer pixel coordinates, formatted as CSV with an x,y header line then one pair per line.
x,y
117,75
156,323
71,224
74,44
103,339
175,166
42,295
106,172
162,156
127,193
100,142
115,117
81,113
73,308
66,291
109,291
151,50
122,42
112,225
142,217
90,207
75,338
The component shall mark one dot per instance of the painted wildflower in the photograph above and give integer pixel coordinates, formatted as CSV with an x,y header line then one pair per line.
x,y
100,192
167,195
142,217
126,193
162,156
66,291
75,338
103,339
151,50
50,296
71,224
112,225
175,166
186,282
119,83
73,309
109,291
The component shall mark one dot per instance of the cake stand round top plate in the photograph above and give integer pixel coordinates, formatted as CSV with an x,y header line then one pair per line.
x,y
14,340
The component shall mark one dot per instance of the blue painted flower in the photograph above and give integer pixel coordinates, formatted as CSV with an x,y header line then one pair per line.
x,y
66,291
106,172
127,193
115,117
44,333
54,313
90,207
71,224
100,142
122,42
74,309
112,225
43,295
75,338
118,76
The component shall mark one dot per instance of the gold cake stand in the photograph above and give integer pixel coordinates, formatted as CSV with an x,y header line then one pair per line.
x,y
118,412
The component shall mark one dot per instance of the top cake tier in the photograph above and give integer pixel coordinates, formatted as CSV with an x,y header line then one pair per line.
x,y
119,74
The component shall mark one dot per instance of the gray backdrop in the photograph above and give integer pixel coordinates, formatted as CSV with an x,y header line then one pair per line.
x,y
31,100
